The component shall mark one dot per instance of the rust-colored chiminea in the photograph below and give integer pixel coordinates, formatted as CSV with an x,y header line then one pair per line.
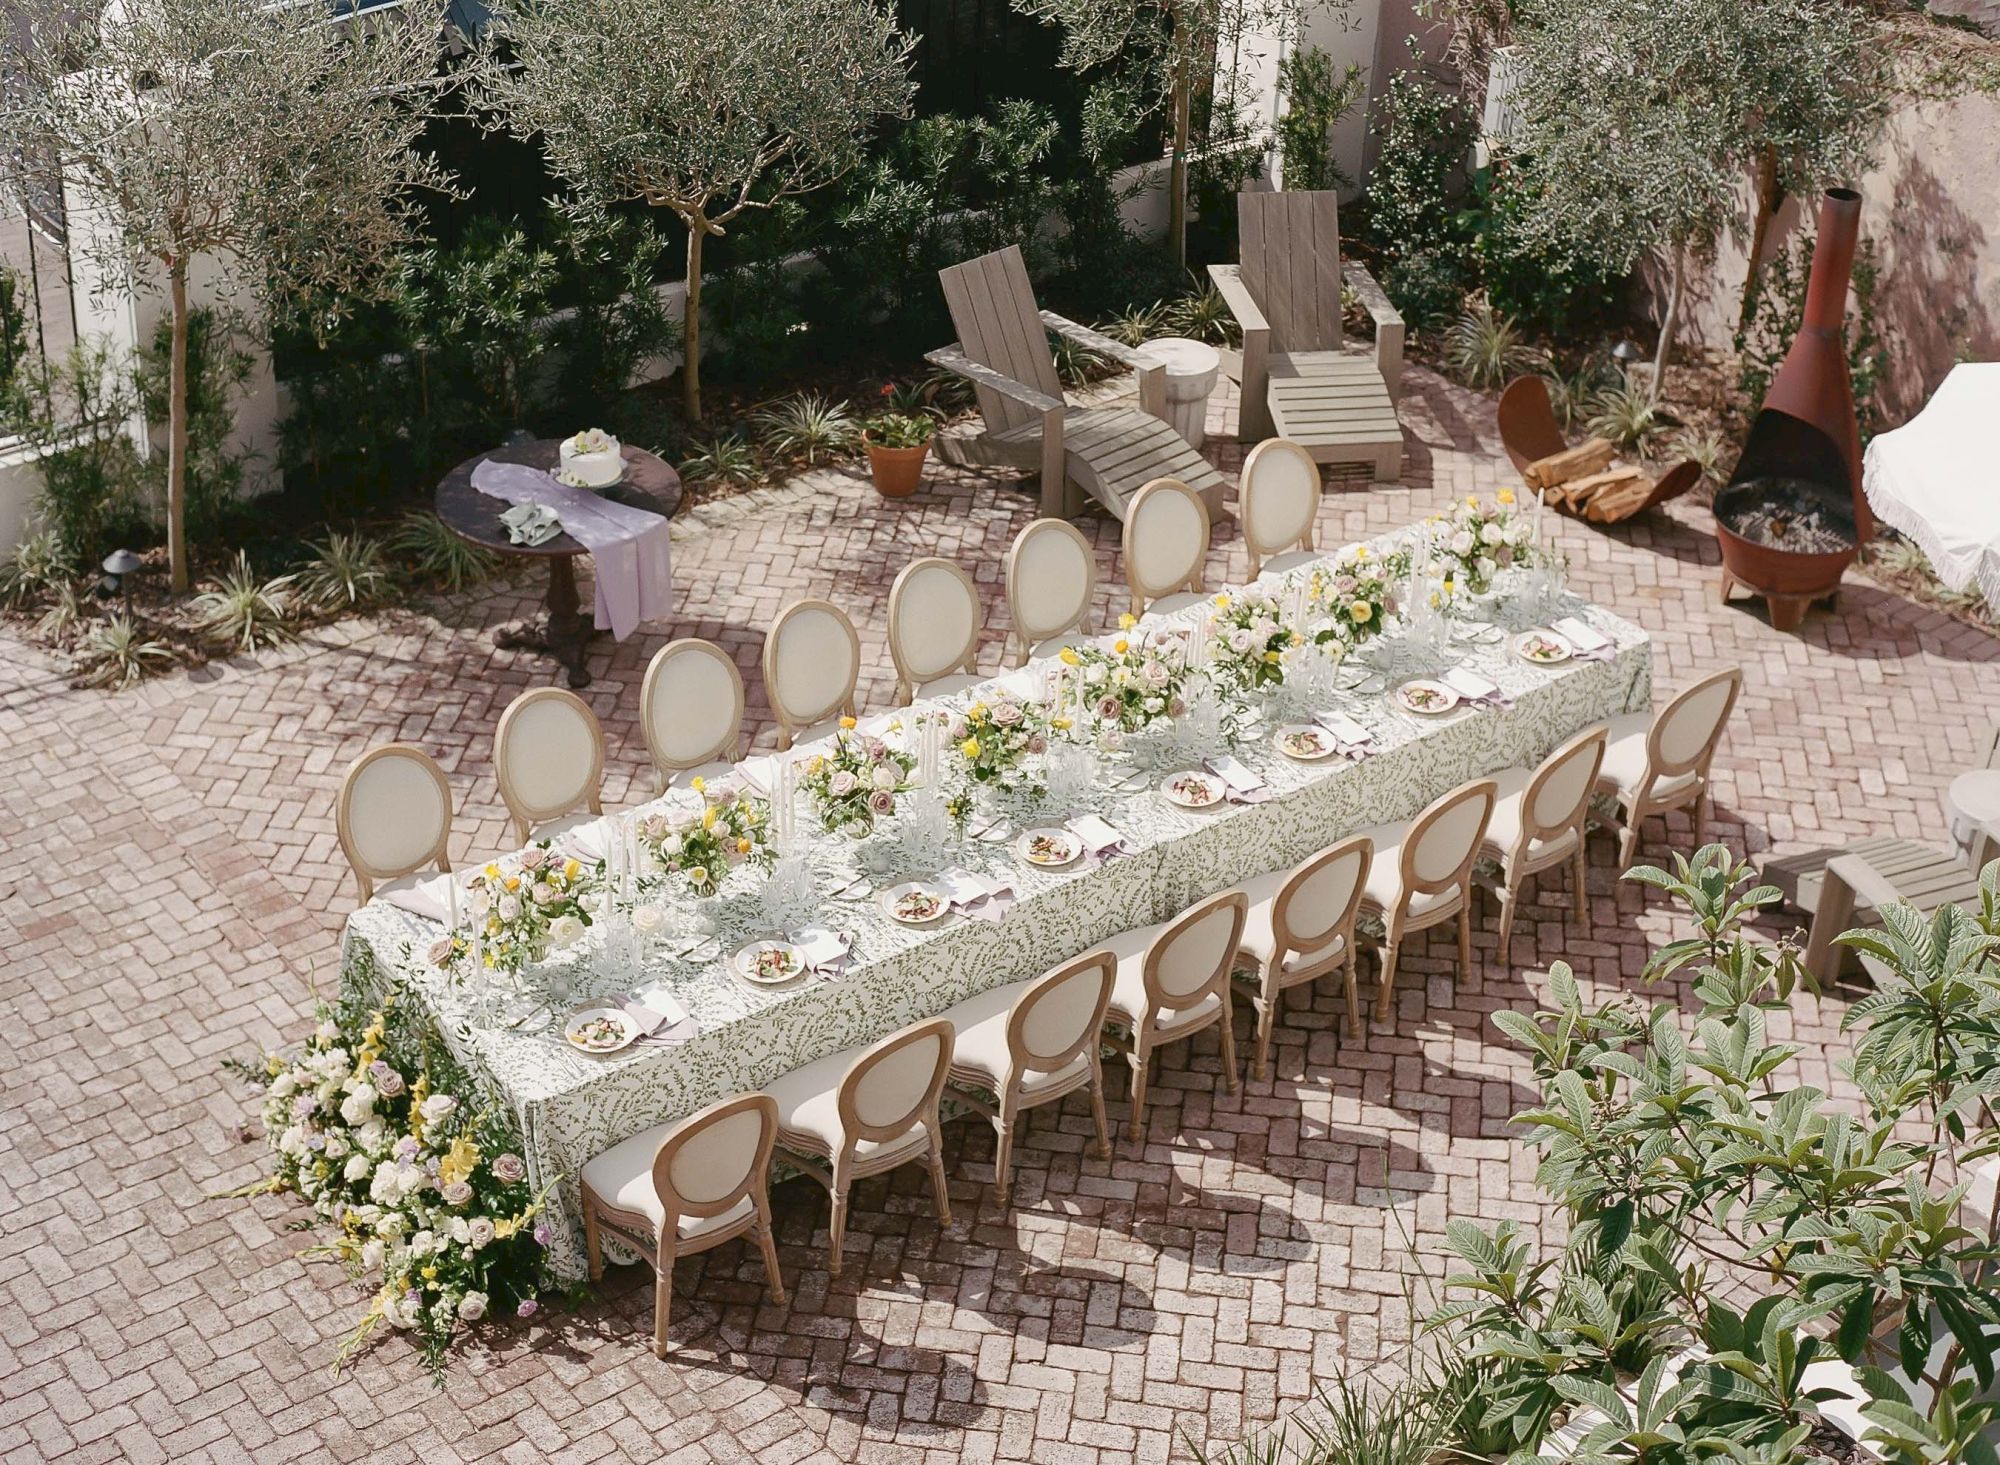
x,y
1792,516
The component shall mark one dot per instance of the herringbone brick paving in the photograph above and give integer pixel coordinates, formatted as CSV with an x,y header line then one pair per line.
x,y
171,892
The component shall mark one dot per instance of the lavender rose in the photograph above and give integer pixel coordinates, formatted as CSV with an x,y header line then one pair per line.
x,y
882,801
509,1169
458,1193
842,784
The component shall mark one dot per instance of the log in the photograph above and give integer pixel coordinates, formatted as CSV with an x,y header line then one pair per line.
x,y
1619,502
1581,493
1590,456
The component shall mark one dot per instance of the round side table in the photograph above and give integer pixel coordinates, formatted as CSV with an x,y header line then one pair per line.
x,y
1971,800
564,633
1192,367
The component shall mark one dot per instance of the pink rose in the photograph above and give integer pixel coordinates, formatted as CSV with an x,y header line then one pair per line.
x,y
1108,708
440,951
842,784
1037,743
509,1169
534,859
882,801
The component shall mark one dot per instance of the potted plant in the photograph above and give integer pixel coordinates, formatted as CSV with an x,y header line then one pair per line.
x,y
897,444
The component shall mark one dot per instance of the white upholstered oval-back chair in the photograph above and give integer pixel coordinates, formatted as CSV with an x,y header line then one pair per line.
x,y
1299,927
812,660
1051,576
1172,982
548,755
394,815
1029,1044
680,1188
691,710
1653,764
1277,498
858,1113
1422,874
934,619
1538,823
1166,543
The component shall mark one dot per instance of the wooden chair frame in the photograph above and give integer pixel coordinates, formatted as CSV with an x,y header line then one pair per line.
x,y
1636,805
1144,593
1273,447
1148,1034
1521,864
724,749
528,816
1031,636
1400,923
803,1151
1332,949
910,681
790,726
662,1248
1009,1087
365,875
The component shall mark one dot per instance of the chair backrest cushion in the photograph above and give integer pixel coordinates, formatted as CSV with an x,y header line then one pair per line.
x,y
1688,728
811,663
1291,264
1060,1010
890,1086
993,310
1556,795
934,616
1444,836
712,1163
550,753
692,704
1050,574
1323,892
395,811
1278,495
1188,955
1166,537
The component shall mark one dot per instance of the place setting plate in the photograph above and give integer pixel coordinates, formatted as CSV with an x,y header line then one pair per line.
x,y
1192,790
770,963
1543,647
1303,742
600,1031
915,903
1049,848
1423,697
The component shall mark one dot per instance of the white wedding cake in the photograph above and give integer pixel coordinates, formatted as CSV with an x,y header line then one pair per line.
x,y
591,459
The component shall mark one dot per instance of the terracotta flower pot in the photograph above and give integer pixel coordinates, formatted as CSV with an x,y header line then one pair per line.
x,y
897,471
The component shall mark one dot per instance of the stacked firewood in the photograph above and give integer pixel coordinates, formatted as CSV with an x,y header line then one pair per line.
x,y
1586,481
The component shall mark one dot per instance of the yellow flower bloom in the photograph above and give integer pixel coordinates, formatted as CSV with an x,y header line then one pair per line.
x,y
970,747
1362,612
1127,621
1068,657
1222,601
570,869
430,1274
698,875
847,722
1506,495
697,783
978,709
1121,646
1270,658
1361,551
708,818
491,872
1472,501
1061,724
743,846
512,882
459,1162
818,762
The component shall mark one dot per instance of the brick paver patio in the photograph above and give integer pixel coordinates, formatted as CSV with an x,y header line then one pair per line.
x,y
171,892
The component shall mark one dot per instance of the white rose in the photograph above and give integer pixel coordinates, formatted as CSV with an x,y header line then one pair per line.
x,y
482,1231
565,930
1493,534
885,776
335,1147
292,1141
648,920
510,908
1462,542
1485,566
472,1307
372,1136
423,1244
357,1106
670,847
357,1168
284,1086
460,1232
371,1255
325,1033
1093,674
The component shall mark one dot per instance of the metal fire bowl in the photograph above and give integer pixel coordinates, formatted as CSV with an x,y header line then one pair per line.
x,y
1777,571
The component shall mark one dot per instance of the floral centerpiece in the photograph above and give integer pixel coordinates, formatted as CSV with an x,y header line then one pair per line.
x,y
1476,541
1124,688
370,1126
995,739
732,829
515,918
1249,640
858,781
1358,595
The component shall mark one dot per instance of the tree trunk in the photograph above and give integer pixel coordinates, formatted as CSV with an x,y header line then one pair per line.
x,y
1768,195
691,333
177,433
1667,323
1177,171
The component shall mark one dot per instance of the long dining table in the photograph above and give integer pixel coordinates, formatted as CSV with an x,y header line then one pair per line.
x,y
737,1037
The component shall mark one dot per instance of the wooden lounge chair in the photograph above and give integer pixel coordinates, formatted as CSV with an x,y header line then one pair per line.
x,y
1578,480
1298,381
1848,887
1003,349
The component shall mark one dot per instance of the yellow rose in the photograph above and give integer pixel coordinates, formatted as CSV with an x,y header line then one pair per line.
x,y
1362,611
513,882
1068,657
1506,495
1061,724
970,747
1121,646
743,846
847,722
1127,621
1270,658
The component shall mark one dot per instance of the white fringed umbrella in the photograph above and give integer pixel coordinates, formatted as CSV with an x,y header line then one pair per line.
x,y
1936,479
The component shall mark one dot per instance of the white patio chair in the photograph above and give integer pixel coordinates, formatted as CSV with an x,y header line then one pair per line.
x,y
1277,497
1422,875
393,816
548,756
1030,1044
1538,823
1654,764
1173,982
676,1189
934,620
812,660
691,710
859,1113
1051,576
1166,542
1299,927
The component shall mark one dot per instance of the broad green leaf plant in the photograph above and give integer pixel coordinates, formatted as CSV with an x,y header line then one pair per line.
x,y
1730,1223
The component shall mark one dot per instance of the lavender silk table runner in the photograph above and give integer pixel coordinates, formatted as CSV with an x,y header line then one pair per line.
x,y
630,546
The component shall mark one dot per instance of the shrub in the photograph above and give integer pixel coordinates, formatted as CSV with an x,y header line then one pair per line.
x,y
1427,287
1203,315
1531,274
1137,325
218,372
77,411
345,572
1626,414
115,653
440,556
1415,187
1315,101
243,612
1777,307
1484,349
34,568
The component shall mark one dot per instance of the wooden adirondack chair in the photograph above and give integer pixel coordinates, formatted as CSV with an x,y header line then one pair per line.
x,y
1298,382
1003,349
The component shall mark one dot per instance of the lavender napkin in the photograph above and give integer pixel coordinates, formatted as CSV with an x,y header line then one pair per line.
x,y
1100,841
1352,739
1241,786
1585,640
984,898
824,949
653,1009
1476,689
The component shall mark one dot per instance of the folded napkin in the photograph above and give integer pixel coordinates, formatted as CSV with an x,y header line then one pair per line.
x,y
1476,689
654,1010
531,524
1350,737
586,842
761,772
824,949
430,899
1025,685
983,897
1100,841
1243,786
1588,643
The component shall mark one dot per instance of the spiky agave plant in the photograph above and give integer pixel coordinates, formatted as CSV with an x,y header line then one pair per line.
x,y
345,572
725,459
244,612
37,565
1484,348
1624,414
438,555
1137,325
806,425
1203,315
116,653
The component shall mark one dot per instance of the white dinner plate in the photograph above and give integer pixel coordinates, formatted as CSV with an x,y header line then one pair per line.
x,y
1303,742
1543,647
1065,848
1192,790
1425,698
912,896
783,962
600,1030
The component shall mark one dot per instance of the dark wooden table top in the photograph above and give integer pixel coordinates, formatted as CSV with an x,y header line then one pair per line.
x,y
649,483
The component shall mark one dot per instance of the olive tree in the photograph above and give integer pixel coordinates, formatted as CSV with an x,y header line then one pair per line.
x,y
269,142
1179,46
1639,121
709,108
